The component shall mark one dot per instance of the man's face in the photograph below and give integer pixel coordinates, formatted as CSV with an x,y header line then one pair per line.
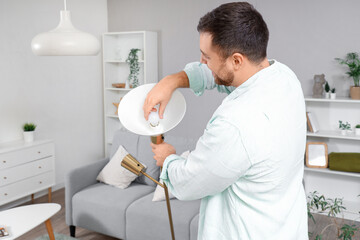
x,y
209,56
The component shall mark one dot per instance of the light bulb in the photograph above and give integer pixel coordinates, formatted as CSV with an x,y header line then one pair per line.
x,y
154,119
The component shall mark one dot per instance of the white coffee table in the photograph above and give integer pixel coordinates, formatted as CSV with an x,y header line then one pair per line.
x,y
20,220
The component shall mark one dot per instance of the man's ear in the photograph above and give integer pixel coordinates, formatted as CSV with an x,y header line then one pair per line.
x,y
237,60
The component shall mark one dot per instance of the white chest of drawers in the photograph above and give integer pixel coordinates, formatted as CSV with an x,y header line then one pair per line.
x,y
26,168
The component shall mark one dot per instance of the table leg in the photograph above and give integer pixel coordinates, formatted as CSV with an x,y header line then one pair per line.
x,y
49,229
49,194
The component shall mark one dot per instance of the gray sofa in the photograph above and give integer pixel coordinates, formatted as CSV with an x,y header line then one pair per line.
x,y
128,213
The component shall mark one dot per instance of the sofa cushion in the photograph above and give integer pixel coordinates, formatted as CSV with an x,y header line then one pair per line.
x,y
102,208
146,219
116,175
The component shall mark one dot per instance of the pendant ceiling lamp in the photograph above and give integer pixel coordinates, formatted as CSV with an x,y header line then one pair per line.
x,y
65,40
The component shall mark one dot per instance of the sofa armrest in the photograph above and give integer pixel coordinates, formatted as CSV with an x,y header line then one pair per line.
x,y
78,179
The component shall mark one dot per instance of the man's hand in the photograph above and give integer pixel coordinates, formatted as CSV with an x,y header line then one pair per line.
x,y
162,151
162,92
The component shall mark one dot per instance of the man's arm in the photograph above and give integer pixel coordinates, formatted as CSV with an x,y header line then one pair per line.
x,y
161,93
200,79
197,76
218,161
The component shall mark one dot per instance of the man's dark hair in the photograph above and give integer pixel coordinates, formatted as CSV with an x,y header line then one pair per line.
x,y
237,27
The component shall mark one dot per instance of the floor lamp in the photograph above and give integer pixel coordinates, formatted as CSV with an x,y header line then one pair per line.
x,y
131,116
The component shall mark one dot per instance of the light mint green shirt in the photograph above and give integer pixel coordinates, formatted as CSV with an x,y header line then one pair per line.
x,y
248,165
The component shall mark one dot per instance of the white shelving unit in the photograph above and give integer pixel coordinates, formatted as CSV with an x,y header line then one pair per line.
x,y
331,183
116,47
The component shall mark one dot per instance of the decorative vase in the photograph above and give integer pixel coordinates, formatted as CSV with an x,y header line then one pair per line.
x,y
357,131
29,136
355,92
332,95
327,94
343,131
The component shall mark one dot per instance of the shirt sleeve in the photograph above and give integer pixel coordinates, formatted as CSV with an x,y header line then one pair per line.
x,y
201,78
218,161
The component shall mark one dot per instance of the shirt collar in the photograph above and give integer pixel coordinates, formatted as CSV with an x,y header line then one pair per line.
x,y
251,81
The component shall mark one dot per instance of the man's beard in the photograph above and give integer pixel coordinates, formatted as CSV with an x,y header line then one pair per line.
x,y
226,81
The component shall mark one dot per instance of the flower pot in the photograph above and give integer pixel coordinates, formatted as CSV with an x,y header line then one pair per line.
x,y
355,92
343,132
332,95
357,131
327,94
29,136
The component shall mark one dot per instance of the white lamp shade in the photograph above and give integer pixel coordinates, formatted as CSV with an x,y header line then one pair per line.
x,y
65,40
131,112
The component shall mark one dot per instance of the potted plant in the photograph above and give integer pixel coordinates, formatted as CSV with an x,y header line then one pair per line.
x,y
333,93
353,62
344,127
29,129
331,207
133,61
327,90
357,129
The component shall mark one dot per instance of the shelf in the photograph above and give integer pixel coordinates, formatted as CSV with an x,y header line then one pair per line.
x,y
118,89
119,61
333,134
112,116
338,99
332,172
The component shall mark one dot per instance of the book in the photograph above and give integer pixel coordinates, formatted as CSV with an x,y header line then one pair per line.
x,y
3,232
313,122
308,123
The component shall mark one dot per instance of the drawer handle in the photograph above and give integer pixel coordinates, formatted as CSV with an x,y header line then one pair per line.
x,y
4,161
39,152
5,194
5,177
40,182
39,166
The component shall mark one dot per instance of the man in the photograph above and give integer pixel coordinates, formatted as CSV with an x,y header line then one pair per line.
x,y
247,167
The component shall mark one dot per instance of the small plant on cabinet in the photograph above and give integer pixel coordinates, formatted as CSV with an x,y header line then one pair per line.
x,y
327,90
352,60
29,129
357,129
333,93
344,127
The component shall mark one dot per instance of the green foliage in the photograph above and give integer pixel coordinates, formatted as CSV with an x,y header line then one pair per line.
x,y
333,207
347,231
353,62
133,61
357,126
318,237
28,127
327,87
333,90
344,126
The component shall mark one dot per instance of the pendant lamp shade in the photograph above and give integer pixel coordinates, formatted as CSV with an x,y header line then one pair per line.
x,y
65,40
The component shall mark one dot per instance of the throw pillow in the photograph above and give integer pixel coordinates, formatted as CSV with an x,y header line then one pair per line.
x,y
159,193
114,174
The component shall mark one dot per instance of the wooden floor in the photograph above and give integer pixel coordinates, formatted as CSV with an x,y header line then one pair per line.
x,y
59,225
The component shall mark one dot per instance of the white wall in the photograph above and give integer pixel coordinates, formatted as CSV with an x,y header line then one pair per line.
x,y
62,95
306,35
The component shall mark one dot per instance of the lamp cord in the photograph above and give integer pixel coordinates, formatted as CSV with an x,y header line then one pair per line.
x,y
65,5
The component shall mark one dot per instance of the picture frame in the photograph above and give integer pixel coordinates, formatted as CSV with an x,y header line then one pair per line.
x,y
316,155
